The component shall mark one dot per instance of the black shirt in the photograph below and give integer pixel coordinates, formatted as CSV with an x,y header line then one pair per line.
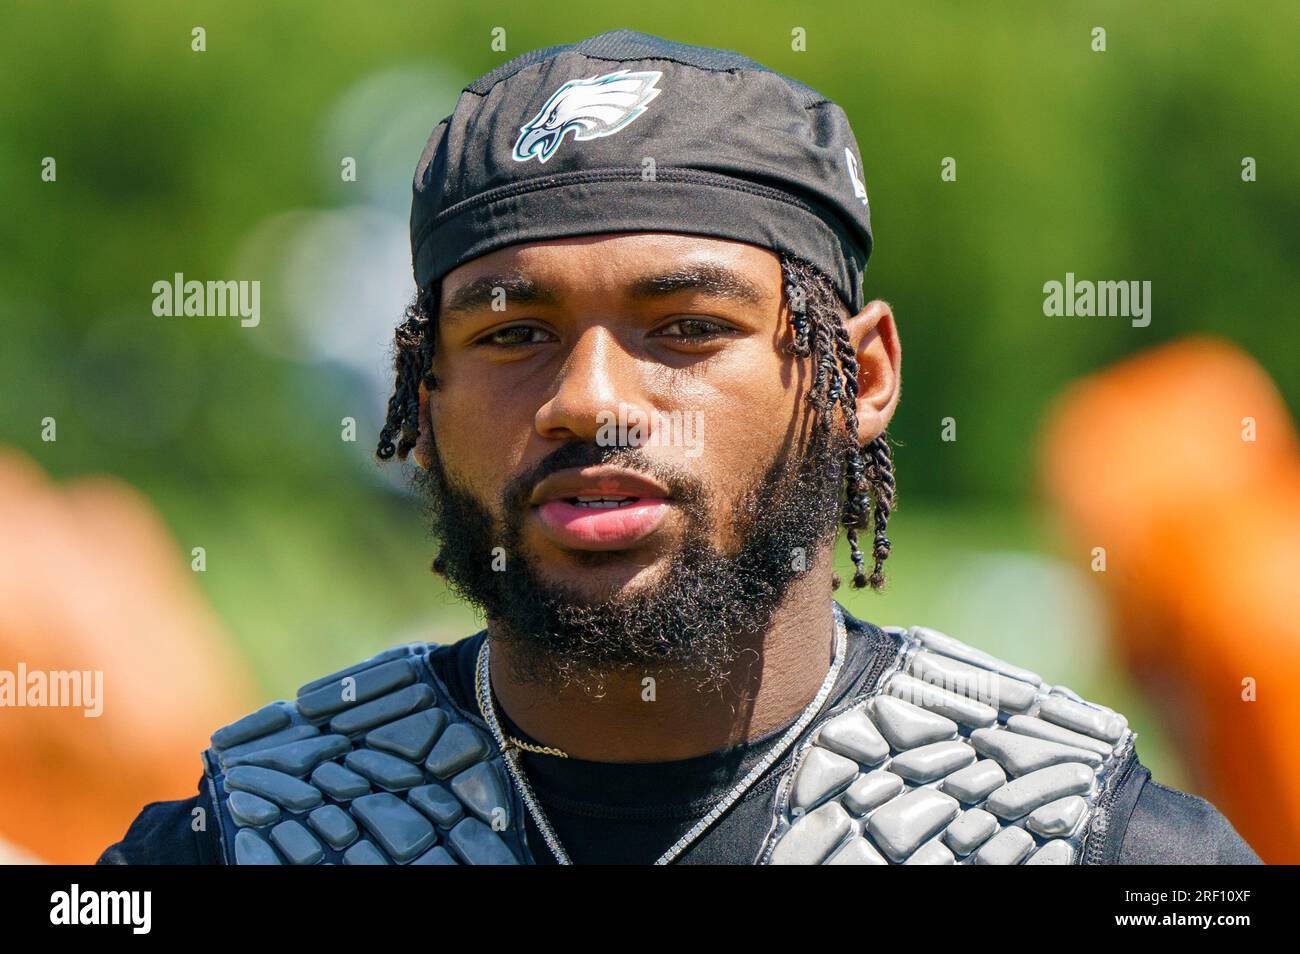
x,y
630,813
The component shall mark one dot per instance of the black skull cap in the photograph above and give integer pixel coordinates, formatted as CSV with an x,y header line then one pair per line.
x,y
628,132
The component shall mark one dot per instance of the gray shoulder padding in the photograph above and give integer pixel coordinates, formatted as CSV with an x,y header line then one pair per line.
x,y
370,765
955,758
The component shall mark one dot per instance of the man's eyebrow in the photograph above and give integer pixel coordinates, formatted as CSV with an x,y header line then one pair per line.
x,y
709,278
483,292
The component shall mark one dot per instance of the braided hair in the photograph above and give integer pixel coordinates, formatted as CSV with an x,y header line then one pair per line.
x,y
817,317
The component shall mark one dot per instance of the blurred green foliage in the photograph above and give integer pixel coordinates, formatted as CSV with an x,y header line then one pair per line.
x,y
1117,165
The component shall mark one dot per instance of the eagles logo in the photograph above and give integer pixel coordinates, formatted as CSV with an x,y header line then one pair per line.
x,y
589,108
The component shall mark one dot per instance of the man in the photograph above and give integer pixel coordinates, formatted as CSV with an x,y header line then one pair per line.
x,y
644,388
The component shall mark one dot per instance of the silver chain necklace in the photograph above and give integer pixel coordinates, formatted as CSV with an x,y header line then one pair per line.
x,y
511,754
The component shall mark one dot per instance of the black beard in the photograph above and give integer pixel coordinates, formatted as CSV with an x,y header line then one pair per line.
x,y
695,617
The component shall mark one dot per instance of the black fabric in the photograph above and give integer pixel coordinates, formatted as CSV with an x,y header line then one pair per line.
x,y
630,813
675,138
163,834
1199,835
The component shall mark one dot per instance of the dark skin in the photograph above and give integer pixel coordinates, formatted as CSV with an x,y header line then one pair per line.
x,y
515,384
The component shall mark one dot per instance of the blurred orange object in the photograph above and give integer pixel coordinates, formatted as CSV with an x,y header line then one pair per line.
x,y
90,580
1184,465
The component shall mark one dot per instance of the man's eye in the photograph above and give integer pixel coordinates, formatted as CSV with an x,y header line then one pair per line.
x,y
693,328
514,335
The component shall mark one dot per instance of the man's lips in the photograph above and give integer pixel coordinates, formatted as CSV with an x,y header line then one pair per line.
x,y
599,508
583,528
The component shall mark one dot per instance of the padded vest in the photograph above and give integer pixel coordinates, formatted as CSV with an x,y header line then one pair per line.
x,y
955,758
949,756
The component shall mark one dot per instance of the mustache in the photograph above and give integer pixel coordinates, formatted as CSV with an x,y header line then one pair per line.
x,y
686,489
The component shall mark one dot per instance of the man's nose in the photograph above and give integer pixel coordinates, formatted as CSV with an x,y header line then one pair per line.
x,y
598,386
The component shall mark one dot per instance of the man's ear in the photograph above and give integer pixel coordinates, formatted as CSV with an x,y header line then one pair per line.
x,y
424,442
875,339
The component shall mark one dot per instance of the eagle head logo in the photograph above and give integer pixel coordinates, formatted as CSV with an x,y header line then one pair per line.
x,y
589,108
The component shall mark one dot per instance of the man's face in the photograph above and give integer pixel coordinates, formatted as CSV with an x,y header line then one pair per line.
x,y
619,415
